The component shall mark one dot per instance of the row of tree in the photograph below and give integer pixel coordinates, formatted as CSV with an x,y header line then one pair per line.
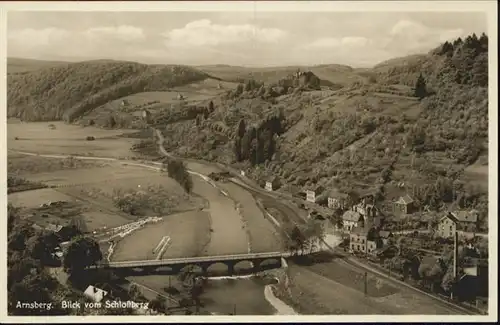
x,y
257,144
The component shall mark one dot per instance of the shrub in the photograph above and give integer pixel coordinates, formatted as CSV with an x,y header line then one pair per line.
x,y
177,170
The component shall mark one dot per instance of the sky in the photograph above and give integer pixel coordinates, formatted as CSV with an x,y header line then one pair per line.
x,y
252,38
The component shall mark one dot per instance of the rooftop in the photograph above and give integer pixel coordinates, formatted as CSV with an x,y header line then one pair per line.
x,y
336,194
385,234
360,231
351,216
405,200
450,216
316,189
465,216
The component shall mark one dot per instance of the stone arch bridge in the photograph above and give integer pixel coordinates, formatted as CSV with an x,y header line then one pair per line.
x,y
203,263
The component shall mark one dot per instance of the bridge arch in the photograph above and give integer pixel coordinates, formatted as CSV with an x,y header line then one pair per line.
x,y
191,269
244,267
218,268
269,263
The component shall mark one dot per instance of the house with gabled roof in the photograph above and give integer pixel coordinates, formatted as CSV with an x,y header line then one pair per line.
x,y
272,184
313,193
404,205
337,200
467,219
359,242
95,294
447,226
352,219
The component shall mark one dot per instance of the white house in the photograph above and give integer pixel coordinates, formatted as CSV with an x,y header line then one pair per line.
x,y
95,294
313,193
337,200
272,184
242,173
352,219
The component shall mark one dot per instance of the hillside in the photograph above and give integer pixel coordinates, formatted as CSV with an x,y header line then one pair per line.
x,y
71,90
20,65
372,136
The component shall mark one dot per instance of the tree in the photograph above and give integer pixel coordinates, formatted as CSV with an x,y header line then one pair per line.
x,y
134,293
177,170
420,87
41,248
111,121
12,215
159,304
237,149
211,107
314,234
241,128
82,252
296,240
480,70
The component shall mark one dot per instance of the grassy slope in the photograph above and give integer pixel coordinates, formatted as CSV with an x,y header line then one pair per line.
x,y
69,91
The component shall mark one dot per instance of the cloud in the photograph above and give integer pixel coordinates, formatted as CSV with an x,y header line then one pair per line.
x,y
339,42
31,38
205,33
411,35
124,33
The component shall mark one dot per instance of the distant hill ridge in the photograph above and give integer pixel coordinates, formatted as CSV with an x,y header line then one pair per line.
x,y
68,91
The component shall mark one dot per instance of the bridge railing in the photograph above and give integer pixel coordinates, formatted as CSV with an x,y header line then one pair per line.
x,y
196,259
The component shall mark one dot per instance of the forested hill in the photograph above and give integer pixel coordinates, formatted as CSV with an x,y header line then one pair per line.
x,y
68,91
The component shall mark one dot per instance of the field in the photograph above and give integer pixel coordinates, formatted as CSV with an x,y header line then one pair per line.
x,y
24,165
189,233
67,139
322,295
95,188
35,198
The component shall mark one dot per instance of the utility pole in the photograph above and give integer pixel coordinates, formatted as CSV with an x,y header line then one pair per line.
x,y
234,309
366,283
455,257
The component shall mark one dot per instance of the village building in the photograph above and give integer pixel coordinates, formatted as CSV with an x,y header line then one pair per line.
x,y
242,173
337,200
146,115
124,103
404,205
272,184
369,212
359,241
467,220
352,219
313,193
179,96
95,294
447,226
315,215
385,236
53,228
